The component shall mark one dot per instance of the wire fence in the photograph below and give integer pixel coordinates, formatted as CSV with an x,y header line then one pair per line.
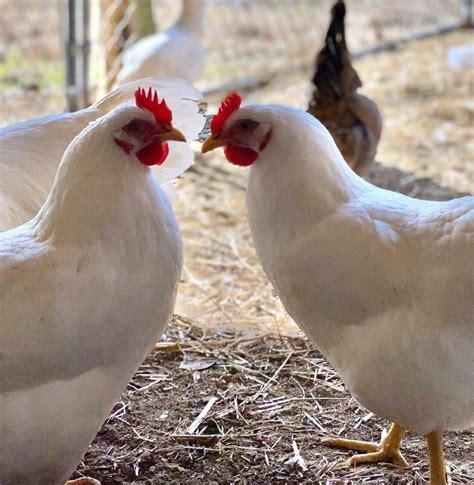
x,y
271,35
252,37
243,38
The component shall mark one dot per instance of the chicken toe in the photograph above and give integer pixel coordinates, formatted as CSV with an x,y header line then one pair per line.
x,y
83,481
388,450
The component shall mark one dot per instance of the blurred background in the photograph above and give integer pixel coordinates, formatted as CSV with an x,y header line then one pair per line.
x,y
415,59
48,44
64,54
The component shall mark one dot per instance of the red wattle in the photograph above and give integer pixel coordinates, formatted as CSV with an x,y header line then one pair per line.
x,y
154,153
240,155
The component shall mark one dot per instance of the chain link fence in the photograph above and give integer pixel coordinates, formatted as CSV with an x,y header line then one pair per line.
x,y
254,37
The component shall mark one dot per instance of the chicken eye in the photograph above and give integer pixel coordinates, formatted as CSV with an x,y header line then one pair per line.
x,y
137,127
134,125
246,126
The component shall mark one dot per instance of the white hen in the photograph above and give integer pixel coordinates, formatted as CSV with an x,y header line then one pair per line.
x,y
381,283
87,286
177,51
30,151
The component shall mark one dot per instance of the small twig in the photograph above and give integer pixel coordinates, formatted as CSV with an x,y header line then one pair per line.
x,y
315,422
275,375
202,415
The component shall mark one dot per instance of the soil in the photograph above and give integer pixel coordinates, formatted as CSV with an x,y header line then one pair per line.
x,y
270,396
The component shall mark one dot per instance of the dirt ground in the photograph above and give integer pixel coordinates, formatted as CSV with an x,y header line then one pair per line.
x,y
269,397
272,397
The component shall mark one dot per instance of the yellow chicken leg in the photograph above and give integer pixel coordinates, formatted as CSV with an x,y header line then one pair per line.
x,y
83,481
435,450
388,450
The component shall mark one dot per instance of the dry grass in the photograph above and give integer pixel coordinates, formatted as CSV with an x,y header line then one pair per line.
x,y
218,406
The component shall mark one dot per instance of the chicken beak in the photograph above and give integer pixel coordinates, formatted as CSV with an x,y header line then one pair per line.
x,y
212,142
172,135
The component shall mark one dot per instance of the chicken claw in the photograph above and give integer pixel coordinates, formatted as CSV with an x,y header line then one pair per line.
x,y
83,481
388,450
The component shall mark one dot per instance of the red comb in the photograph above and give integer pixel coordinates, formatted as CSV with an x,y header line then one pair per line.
x,y
150,102
228,106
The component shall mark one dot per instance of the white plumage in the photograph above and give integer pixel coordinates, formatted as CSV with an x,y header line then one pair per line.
x,y
177,51
383,284
30,151
86,288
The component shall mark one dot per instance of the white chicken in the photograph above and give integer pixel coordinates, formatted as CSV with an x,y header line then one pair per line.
x,y
177,51
88,285
30,151
381,283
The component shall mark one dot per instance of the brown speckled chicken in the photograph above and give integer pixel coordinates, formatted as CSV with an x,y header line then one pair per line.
x,y
353,120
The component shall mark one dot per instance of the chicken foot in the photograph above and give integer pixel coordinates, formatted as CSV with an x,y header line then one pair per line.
x,y
388,450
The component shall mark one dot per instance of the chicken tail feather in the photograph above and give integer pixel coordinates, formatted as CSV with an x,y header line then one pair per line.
x,y
334,77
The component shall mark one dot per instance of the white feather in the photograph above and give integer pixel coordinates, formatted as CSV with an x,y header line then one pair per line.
x,y
383,284
30,151
174,52
86,289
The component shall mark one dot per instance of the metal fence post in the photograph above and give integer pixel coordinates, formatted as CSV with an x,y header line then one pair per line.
x,y
77,54
70,48
465,10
